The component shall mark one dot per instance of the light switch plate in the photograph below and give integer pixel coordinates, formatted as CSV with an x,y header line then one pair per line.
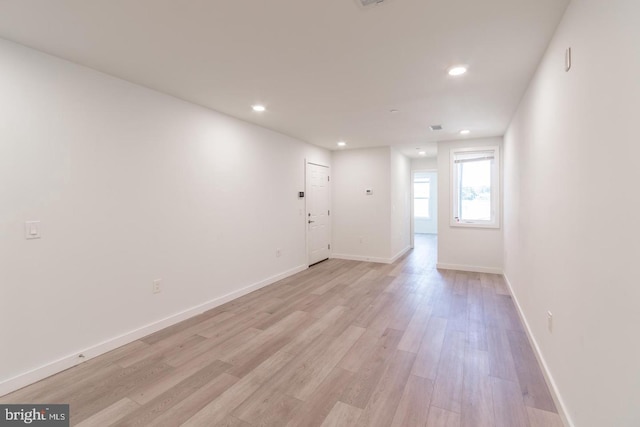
x,y
32,230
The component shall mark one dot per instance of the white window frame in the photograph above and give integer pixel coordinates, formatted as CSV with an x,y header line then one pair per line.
x,y
495,190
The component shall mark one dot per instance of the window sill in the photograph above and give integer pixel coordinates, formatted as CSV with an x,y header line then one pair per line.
x,y
474,225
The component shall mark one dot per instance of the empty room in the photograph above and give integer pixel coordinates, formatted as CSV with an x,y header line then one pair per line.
x,y
336,213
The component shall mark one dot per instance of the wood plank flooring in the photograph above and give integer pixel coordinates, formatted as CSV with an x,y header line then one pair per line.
x,y
344,343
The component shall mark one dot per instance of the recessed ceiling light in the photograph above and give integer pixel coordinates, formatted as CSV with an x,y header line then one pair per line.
x,y
465,132
458,70
259,108
422,153
342,144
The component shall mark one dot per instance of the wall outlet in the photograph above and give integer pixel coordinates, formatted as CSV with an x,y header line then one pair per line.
x,y
278,252
550,321
32,230
156,288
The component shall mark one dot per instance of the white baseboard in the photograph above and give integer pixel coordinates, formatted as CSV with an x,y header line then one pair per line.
x,y
471,268
555,393
361,258
371,259
400,254
42,372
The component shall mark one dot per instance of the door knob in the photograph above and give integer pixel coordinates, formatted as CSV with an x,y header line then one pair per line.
x,y
311,221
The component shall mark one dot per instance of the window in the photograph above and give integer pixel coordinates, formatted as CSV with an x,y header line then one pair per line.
x,y
421,195
475,177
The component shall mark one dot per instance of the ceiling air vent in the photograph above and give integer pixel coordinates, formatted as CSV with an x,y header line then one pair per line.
x,y
369,2
435,127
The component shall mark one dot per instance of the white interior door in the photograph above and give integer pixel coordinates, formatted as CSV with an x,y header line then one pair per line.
x,y
318,200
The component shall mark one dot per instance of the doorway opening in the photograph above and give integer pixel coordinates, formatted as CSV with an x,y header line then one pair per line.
x,y
318,207
425,202
424,211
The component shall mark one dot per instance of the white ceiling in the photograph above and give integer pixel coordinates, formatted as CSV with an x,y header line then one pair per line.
x,y
327,70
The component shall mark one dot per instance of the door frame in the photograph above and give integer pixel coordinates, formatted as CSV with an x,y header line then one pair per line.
x,y
306,208
413,216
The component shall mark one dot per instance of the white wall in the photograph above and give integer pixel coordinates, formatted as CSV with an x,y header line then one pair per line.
x,y
571,245
130,185
400,203
428,163
464,248
361,224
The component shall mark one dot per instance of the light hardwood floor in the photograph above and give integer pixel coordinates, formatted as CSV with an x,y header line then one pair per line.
x,y
344,343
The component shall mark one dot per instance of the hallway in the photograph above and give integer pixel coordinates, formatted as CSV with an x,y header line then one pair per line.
x,y
342,343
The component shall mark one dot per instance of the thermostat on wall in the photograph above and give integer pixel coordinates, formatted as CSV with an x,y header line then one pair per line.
x,y
368,191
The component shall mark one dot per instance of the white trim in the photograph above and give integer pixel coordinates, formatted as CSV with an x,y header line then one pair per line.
x,y
555,393
317,164
361,258
42,372
365,258
471,268
306,213
399,254
474,225
412,218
